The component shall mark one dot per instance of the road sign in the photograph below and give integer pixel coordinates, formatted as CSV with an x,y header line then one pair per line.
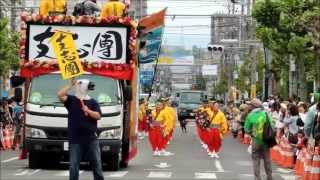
x,y
209,70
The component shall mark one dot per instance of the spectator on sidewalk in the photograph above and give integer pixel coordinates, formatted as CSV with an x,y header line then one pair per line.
x,y
311,114
254,126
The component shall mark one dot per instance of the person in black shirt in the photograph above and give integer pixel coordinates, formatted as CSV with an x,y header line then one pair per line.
x,y
83,114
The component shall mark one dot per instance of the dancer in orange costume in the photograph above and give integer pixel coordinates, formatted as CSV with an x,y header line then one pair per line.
x,y
165,119
155,134
142,124
204,114
218,129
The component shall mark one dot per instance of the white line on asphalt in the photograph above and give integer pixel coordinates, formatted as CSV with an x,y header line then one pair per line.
x,y
286,171
25,172
159,175
34,172
288,177
65,173
205,175
219,166
9,160
119,174
157,169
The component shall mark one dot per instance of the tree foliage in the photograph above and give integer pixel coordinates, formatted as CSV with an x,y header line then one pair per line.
x,y
9,48
289,27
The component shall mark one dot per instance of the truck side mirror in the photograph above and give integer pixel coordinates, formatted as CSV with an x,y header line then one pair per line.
x,y
17,94
128,93
16,81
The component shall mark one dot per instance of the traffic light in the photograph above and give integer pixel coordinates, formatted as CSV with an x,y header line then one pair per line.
x,y
212,47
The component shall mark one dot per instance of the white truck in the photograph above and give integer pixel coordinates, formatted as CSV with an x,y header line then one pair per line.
x,y
111,68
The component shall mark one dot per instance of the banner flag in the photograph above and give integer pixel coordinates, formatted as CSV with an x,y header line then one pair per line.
x,y
66,54
156,20
152,48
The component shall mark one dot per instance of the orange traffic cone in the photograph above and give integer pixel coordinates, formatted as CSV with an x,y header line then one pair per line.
x,y
315,168
6,138
299,163
276,154
288,155
307,166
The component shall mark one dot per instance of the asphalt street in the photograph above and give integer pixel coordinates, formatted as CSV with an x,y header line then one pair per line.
x,y
189,162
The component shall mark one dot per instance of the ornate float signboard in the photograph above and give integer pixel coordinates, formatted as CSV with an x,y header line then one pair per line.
x,y
106,47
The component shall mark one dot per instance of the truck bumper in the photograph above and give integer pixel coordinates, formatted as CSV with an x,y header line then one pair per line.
x,y
108,147
186,115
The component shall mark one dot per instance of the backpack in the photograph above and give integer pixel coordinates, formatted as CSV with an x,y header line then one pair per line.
x,y
79,9
269,134
300,123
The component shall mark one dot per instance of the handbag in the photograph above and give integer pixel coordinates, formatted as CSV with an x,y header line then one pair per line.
x,y
269,134
300,123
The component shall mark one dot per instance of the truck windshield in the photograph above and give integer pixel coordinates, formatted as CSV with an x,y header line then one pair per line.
x,y
194,98
44,90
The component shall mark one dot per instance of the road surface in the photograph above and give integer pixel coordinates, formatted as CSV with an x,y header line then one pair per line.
x,y
189,162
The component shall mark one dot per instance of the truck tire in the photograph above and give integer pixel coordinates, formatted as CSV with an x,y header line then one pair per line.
x,y
114,163
34,160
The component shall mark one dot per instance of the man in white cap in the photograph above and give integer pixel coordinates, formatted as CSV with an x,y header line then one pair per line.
x,y
83,114
254,125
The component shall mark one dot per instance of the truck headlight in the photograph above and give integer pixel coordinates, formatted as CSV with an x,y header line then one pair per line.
x,y
111,134
35,133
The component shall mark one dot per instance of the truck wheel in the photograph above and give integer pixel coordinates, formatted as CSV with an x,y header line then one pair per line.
x,y
123,164
34,160
114,164
124,154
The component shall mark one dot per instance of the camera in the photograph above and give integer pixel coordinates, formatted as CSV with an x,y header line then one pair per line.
x,y
91,86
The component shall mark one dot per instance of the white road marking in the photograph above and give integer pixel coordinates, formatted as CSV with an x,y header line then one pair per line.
x,y
287,171
246,175
9,160
34,172
159,175
65,173
27,172
219,166
288,177
162,165
119,174
205,175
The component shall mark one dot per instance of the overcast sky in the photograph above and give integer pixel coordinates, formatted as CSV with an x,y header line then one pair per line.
x,y
188,31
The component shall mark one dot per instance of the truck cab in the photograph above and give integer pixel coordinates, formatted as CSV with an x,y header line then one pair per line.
x,y
47,121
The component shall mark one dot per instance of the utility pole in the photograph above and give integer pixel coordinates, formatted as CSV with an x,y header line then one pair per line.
x,y
253,55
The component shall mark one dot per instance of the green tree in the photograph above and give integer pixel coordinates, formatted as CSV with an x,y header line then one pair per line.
x,y
288,27
243,82
9,48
